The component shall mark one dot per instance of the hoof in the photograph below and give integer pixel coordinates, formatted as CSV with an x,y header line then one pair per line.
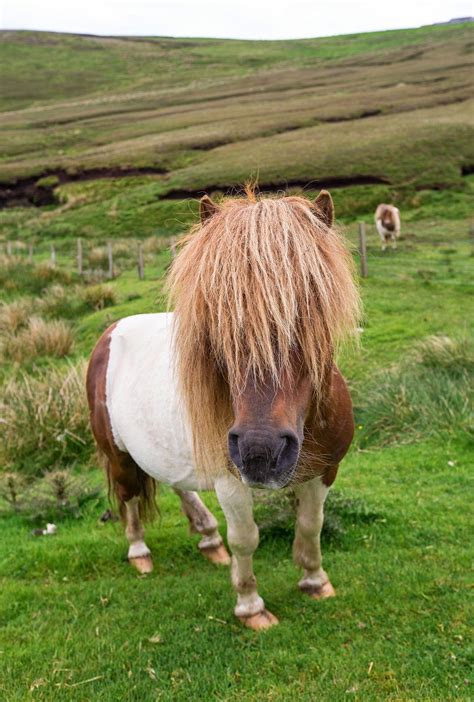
x,y
262,620
323,592
217,554
143,564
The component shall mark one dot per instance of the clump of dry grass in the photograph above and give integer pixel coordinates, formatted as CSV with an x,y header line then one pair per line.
x,y
44,421
97,256
39,337
46,273
14,315
100,296
59,301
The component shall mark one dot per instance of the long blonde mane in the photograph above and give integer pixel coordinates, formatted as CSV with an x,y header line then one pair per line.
x,y
259,280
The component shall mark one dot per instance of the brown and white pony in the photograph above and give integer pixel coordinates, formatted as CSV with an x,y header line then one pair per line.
x,y
237,389
387,221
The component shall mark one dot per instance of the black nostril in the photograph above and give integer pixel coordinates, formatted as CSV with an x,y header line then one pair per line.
x,y
234,451
289,451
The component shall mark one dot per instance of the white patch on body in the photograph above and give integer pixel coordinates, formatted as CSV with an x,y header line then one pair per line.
x,y
138,550
146,415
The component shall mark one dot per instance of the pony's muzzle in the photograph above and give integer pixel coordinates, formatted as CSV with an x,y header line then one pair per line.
x,y
264,457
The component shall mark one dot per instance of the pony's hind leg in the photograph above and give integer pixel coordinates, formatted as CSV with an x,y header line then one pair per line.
x,y
235,499
135,492
202,521
306,546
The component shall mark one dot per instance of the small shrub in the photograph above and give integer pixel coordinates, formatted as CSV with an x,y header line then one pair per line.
x,y
44,421
428,392
39,338
100,296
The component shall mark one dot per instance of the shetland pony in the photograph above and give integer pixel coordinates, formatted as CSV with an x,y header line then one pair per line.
x,y
387,221
237,389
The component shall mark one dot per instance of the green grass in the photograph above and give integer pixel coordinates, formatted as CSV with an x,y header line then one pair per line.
x,y
77,621
73,610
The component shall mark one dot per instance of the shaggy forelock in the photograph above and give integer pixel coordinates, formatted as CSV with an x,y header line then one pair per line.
x,y
259,281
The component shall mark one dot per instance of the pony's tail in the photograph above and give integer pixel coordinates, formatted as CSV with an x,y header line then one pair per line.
x,y
143,485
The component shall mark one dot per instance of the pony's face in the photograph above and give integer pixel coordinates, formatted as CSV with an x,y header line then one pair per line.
x,y
266,437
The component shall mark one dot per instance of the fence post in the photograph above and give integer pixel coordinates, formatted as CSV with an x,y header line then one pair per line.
x,y
30,253
53,255
80,265
363,250
140,265
111,259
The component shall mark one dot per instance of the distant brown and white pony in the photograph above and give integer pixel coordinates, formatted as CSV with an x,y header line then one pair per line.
x,y
237,389
387,221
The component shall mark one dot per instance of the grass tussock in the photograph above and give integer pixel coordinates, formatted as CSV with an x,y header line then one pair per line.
x,y
60,301
428,392
44,421
275,512
14,315
20,276
97,297
97,256
38,338
56,495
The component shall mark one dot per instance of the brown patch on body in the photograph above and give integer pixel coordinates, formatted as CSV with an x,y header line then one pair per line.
x,y
124,475
329,431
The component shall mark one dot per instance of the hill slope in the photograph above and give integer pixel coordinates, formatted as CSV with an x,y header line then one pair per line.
x,y
391,109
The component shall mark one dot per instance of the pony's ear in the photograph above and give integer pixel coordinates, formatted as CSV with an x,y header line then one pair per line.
x,y
207,208
325,207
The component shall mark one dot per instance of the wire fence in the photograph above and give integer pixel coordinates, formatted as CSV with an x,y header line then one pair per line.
x,y
427,257
95,259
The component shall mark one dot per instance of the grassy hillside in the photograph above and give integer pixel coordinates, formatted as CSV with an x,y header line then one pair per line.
x,y
390,109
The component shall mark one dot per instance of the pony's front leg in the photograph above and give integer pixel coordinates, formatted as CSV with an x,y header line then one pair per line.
x,y
202,521
306,546
139,554
242,535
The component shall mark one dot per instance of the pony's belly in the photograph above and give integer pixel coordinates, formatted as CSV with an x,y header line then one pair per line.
x,y
146,415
